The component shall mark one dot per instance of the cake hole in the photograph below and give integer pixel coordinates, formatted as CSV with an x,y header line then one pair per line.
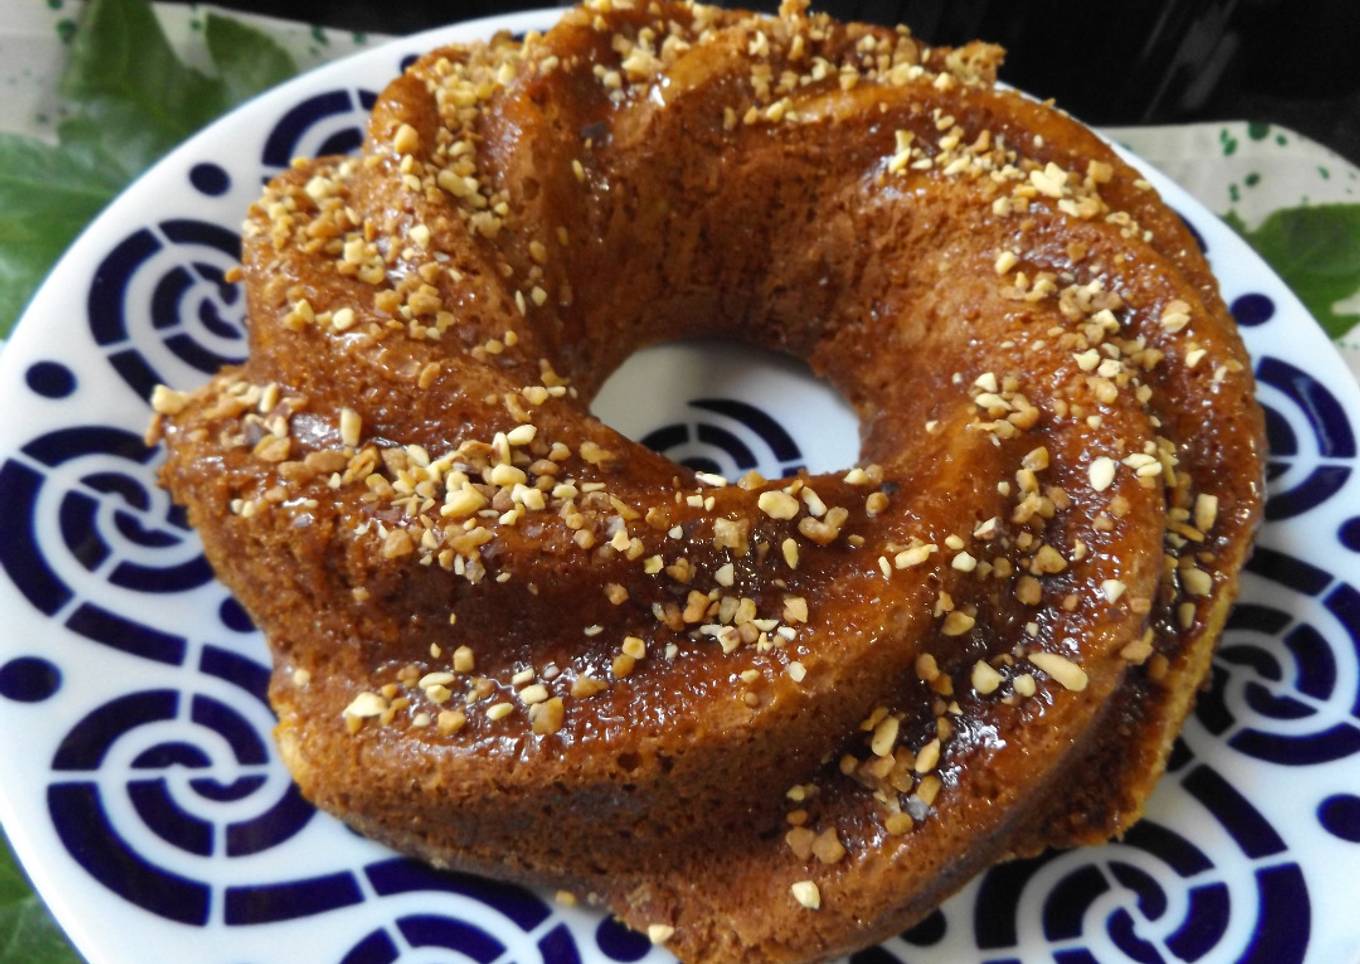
x,y
725,407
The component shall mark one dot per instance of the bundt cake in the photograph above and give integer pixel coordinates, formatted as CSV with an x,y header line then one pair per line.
x,y
760,720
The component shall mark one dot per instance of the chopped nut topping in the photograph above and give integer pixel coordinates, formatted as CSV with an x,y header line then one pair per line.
x,y
366,706
507,476
731,534
1067,673
1029,590
406,140
1206,511
463,660
885,736
660,933
546,717
828,848
1175,316
898,823
273,448
807,894
537,693
928,789
1048,560
1139,650
585,686
398,543
1102,473
957,623
1036,460
985,678
1050,181
815,505
450,721
1113,589
800,841
914,556
928,757
167,401
351,426
1196,581
595,454
777,505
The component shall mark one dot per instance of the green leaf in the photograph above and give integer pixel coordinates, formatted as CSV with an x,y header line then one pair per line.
x,y
87,139
132,100
47,196
123,68
27,932
247,60
1234,221
1316,250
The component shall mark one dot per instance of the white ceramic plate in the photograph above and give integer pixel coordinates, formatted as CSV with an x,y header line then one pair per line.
x,y
138,780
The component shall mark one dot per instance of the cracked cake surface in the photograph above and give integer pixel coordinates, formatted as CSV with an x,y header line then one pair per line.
x,y
760,720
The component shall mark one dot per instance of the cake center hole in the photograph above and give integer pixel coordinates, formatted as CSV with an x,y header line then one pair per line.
x,y
720,406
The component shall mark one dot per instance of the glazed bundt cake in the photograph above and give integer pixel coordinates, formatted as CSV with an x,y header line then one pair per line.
x,y
759,720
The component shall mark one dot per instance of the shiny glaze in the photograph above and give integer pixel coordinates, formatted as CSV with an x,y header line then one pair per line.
x,y
794,237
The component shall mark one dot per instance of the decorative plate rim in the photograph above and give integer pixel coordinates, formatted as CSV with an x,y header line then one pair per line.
x,y
27,343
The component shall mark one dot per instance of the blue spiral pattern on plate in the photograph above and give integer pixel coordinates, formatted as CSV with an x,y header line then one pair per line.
x,y
1307,420
204,786
741,437
165,286
94,486
331,122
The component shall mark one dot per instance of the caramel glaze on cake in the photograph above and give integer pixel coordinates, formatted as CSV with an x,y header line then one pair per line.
x,y
759,720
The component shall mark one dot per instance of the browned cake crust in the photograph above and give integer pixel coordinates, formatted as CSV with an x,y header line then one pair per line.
x,y
761,721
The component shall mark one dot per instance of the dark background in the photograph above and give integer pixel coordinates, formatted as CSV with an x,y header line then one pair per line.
x,y
1290,62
